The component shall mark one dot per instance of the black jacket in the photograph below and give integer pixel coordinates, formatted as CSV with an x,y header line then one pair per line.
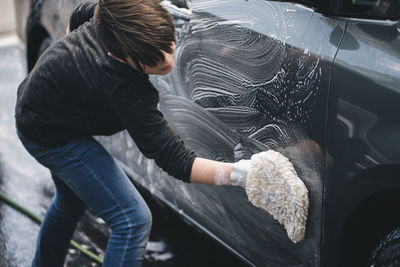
x,y
76,90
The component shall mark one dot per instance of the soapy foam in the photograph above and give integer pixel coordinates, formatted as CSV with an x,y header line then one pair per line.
x,y
221,177
273,185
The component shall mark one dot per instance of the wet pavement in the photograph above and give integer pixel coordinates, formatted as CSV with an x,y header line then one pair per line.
x,y
172,242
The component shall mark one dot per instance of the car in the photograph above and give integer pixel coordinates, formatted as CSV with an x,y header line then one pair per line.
x,y
318,81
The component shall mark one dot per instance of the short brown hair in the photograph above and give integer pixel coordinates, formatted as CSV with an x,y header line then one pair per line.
x,y
139,29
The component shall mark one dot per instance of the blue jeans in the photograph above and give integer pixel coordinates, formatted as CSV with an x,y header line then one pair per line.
x,y
85,175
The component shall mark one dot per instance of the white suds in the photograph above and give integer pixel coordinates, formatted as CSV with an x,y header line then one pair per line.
x,y
273,185
221,177
239,173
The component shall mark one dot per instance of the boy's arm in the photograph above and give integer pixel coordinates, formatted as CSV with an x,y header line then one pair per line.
x,y
82,13
136,108
138,112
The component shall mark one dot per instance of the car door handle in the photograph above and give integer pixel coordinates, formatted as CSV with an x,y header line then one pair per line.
x,y
179,9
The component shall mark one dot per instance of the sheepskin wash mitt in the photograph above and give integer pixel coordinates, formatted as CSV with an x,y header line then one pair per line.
x,y
273,185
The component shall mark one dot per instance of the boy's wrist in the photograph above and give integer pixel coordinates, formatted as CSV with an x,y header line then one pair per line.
x,y
239,173
232,173
222,173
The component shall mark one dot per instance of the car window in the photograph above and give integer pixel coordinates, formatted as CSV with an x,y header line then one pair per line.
x,y
379,9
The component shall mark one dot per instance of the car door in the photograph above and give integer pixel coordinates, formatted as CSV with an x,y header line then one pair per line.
x,y
251,76
362,192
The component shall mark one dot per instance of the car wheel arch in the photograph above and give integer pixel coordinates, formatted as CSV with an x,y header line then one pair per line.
x,y
372,217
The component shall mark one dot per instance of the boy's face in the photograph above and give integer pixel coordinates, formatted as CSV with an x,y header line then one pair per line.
x,y
163,67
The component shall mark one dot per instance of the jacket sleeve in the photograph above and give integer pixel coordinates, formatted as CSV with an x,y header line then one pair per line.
x,y
82,13
138,112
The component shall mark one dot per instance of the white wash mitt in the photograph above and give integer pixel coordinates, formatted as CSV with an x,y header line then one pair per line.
x,y
273,185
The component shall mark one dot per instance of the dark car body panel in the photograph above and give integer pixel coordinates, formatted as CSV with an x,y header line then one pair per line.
x,y
256,75
363,138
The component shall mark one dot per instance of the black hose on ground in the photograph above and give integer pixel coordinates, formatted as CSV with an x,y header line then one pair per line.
x,y
38,220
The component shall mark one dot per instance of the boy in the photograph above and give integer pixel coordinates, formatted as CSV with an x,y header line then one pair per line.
x,y
95,81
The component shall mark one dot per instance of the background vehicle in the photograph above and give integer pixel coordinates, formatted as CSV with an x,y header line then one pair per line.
x,y
317,80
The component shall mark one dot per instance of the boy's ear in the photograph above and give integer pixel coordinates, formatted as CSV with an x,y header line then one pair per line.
x,y
120,60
